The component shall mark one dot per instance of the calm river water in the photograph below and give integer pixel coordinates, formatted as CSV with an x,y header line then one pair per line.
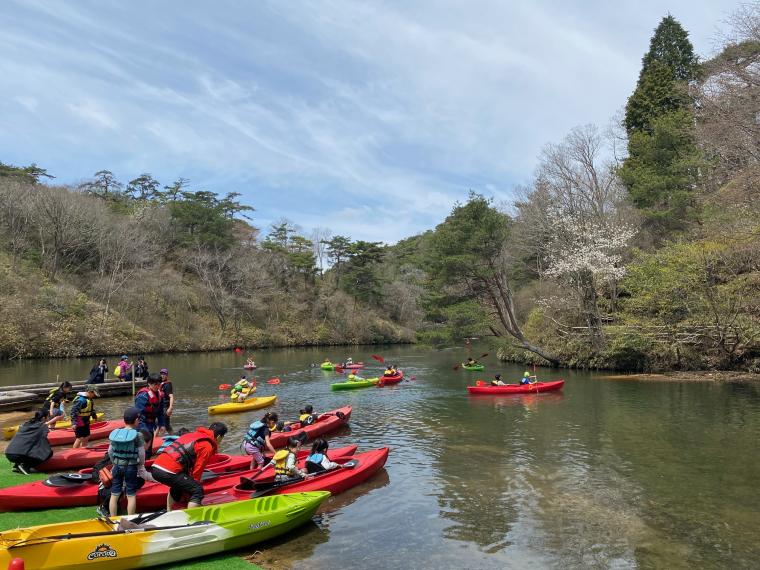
x,y
605,474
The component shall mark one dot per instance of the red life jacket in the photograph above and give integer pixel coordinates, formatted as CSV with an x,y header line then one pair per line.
x,y
155,399
179,455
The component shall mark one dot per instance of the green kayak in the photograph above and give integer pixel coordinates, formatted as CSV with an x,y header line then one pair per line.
x,y
475,367
327,366
354,384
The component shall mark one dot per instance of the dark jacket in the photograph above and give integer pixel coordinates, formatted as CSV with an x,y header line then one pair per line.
x,y
30,445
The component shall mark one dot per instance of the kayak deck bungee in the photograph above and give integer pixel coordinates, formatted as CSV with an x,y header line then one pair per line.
x,y
9,432
162,539
355,384
327,422
390,380
237,407
364,465
46,495
98,430
474,367
517,389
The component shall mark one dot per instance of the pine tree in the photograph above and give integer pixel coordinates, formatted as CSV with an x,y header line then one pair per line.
x,y
663,161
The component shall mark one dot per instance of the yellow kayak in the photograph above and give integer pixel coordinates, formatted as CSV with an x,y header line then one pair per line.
x,y
9,432
249,404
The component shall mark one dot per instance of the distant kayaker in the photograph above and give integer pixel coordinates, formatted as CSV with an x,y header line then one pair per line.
x,y
241,390
318,460
149,402
53,406
497,381
167,392
390,371
286,462
354,377
81,413
256,439
526,379
250,363
127,453
471,361
181,465
98,372
349,361
29,446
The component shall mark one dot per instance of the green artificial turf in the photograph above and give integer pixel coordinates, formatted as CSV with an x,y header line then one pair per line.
x,y
32,518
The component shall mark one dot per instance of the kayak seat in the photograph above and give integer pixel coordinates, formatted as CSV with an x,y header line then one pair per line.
x,y
312,467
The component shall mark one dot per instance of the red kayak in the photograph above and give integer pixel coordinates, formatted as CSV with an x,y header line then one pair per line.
x,y
81,457
517,389
249,367
359,468
327,422
98,430
152,496
355,366
388,380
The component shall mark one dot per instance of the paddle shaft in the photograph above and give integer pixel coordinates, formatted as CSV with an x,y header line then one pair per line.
x,y
103,533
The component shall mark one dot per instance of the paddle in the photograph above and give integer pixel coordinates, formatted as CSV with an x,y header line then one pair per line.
x,y
273,381
378,358
225,386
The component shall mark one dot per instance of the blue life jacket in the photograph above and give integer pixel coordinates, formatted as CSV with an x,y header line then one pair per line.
x,y
255,434
167,440
314,463
124,446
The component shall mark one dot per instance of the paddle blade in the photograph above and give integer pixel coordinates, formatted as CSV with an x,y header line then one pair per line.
x,y
378,358
483,355
225,386
480,383
273,381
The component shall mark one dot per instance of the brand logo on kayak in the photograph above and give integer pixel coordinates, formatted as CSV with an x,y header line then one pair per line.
x,y
102,551
259,525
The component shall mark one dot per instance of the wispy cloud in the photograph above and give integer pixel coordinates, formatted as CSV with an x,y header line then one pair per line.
x,y
370,118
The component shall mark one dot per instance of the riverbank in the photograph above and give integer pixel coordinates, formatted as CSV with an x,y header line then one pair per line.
x,y
688,376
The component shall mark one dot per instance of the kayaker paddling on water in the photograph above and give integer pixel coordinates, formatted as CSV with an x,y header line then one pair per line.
x,y
318,460
181,465
307,415
53,406
497,381
526,379
81,412
256,439
241,390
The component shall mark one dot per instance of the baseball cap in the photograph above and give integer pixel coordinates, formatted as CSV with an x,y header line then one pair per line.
x,y
91,388
131,415
164,371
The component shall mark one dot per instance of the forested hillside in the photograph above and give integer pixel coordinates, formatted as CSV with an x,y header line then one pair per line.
x,y
109,267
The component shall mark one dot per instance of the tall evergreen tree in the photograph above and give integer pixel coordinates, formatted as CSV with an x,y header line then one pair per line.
x,y
663,161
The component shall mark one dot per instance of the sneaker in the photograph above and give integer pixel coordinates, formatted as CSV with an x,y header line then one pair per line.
x,y
101,510
15,469
23,469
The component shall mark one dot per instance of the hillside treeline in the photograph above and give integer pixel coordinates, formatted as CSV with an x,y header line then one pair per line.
x,y
109,267
636,247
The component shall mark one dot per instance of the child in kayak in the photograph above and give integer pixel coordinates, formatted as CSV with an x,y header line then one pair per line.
x,y
318,460
242,390
526,379
256,439
307,415
497,381
285,462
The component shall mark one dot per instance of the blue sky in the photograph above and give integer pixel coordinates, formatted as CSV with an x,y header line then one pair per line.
x,y
368,118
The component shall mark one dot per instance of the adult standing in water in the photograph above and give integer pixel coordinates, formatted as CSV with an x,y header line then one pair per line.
x,y
149,403
81,412
167,392
98,372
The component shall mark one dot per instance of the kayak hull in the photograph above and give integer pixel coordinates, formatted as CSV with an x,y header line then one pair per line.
x,y
517,389
474,367
179,535
152,496
355,385
9,432
80,458
336,481
237,407
390,380
327,422
98,430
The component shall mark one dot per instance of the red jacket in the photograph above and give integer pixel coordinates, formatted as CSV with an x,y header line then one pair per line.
x,y
191,452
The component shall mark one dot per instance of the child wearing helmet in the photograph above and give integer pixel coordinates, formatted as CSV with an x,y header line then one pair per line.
x,y
526,378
